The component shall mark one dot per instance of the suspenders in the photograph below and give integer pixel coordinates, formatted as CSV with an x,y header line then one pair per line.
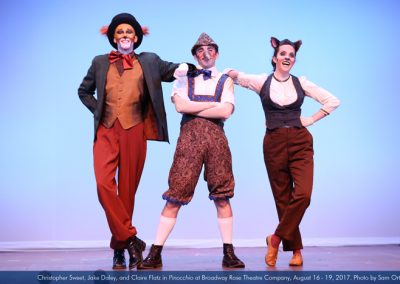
x,y
199,98
207,98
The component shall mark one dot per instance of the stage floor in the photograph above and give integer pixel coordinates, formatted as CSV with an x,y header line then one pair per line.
x,y
351,258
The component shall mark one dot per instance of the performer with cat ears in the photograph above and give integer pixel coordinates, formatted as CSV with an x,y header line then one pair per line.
x,y
288,145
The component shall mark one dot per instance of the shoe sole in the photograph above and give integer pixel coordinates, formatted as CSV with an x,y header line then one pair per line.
x,y
119,268
233,267
149,267
296,264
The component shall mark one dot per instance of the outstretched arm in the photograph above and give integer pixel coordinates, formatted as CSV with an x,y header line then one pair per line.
x,y
167,69
249,81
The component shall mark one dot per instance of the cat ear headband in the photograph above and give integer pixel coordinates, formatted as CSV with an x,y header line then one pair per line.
x,y
275,43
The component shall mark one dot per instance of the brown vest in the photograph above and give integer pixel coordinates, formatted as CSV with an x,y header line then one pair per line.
x,y
123,96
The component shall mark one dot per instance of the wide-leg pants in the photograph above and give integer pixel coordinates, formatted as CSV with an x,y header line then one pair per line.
x,y
117,149
288,156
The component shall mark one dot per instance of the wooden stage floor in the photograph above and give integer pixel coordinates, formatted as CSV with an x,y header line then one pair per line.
x,y
345,258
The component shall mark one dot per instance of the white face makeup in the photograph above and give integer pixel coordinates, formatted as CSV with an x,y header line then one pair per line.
x,y
125,37
206,55
285,58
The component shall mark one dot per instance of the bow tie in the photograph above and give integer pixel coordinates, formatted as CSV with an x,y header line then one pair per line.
x,y
127,61
206,73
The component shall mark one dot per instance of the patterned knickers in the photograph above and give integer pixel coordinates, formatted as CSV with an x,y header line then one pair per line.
x,y
200,142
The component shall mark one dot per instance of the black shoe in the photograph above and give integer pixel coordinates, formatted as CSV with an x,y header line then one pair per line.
x,y
135,249
119,259
153,259
230,260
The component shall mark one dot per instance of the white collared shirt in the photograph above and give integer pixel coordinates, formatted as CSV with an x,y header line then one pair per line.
x,y
284,93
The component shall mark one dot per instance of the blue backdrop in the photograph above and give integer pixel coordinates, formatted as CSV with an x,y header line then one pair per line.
x,y
350,48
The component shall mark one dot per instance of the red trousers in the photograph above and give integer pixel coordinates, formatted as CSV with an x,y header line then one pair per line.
x,y
288,156
124,150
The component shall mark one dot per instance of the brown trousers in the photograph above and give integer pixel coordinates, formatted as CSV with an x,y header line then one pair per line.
x,y
288,156
124,150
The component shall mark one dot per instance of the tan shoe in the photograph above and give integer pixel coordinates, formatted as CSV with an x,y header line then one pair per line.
x,y
272,253
297,260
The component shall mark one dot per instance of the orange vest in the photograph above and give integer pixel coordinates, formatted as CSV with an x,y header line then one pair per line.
x,y
123,96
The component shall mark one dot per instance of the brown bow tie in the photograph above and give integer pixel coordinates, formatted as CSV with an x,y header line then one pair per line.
x,y
127,61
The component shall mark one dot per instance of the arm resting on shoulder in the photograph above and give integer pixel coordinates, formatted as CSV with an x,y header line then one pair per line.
x,y
167,70
249,81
